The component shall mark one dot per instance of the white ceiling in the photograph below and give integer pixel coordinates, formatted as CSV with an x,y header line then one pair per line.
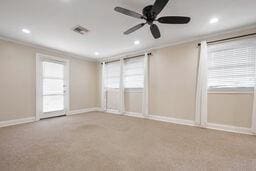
x,y
50,23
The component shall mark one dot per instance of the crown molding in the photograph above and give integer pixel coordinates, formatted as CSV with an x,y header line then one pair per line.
x,y
193,39
48,49
122,55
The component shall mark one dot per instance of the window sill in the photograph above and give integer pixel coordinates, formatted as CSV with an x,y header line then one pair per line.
x,y
231,91
133,90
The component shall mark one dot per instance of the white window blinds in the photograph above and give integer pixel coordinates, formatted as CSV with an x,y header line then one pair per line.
x,y
232,65
112,79
134,73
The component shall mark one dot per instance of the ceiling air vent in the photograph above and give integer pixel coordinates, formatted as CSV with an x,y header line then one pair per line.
x,y
80,30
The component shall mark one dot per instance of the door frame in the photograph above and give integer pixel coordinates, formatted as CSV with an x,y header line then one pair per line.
x,y
39,58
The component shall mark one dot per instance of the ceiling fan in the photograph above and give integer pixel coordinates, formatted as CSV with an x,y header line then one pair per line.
x,y
150,15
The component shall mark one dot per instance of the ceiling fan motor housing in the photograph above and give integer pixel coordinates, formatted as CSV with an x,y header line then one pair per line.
x,y
147,12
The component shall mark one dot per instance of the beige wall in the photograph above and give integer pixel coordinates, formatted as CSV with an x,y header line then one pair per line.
x,y
172,88
18,85
17,81
230,109
83,85
173,74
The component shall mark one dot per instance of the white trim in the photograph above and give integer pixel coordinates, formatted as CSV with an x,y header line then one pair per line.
x,y
53,114
48,49
67,83
234,89
172,120
33,119
118,56
145,97
103,89
39,58
201,87
98,109
228,128
157,118
113,111
81,111
134,114
133,90
17,121
38,87
121,88
230,92
195,39
225,128
126,113
254,109
50,57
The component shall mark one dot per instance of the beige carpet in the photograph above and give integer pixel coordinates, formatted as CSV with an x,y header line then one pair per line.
x,y
98,141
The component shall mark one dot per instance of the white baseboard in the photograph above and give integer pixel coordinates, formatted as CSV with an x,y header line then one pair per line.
x,y
134,114
80,111
220,127
113,111
33,119
228,128
172,120
17,121
99,109
156,117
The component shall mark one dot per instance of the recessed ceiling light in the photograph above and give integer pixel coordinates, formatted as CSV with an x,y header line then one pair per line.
x,y
96,53
137,42
214,20
26,31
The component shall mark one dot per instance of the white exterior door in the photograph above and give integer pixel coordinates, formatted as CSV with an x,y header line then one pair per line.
x,y
52,85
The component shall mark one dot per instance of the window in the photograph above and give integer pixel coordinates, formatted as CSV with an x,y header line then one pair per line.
x,y
112,75
134,73
232,65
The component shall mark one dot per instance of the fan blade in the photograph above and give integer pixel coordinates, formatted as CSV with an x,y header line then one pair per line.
x,y
174,20
159,6
155,31
133,29
129,12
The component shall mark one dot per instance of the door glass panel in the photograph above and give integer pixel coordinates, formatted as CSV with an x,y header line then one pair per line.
x,y
53,70
53,86
53,103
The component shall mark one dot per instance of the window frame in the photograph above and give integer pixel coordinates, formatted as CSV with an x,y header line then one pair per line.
x,y
227,46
